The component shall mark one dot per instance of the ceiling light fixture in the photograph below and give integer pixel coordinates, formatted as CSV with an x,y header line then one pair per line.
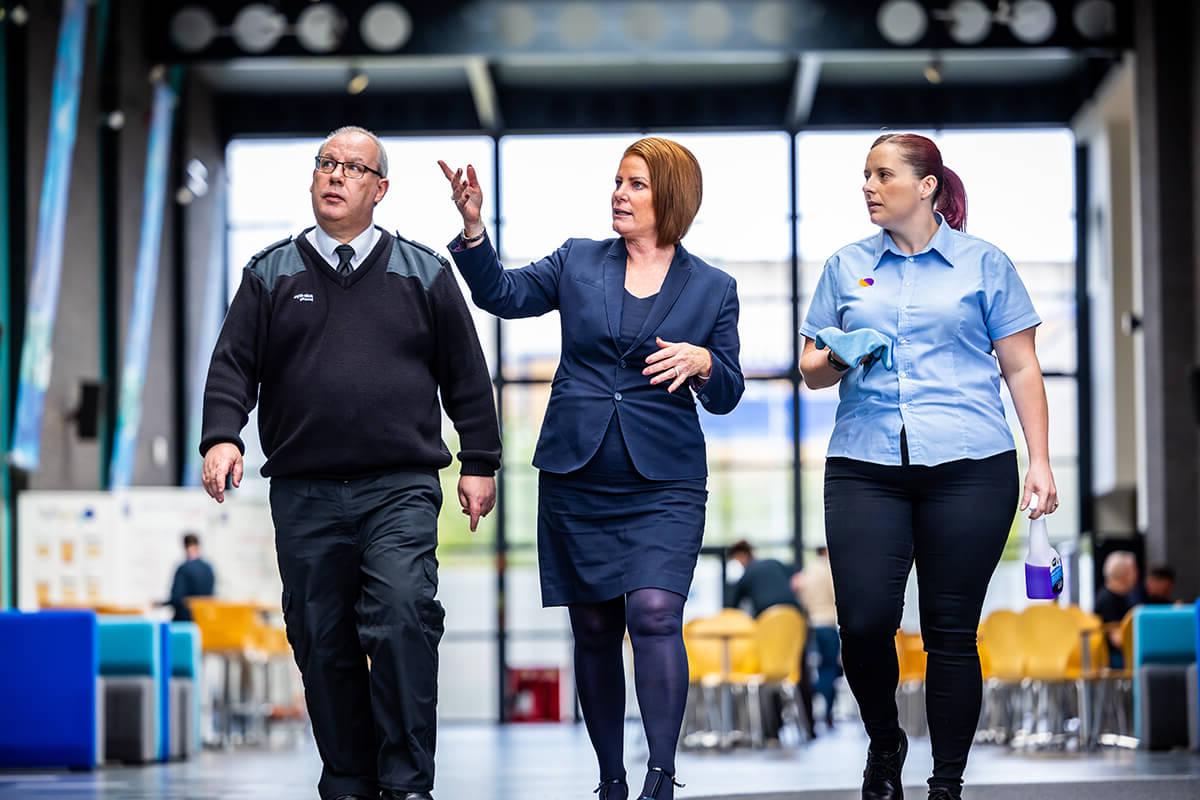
x,y
320,28
258,27
386,27
193,29
902,22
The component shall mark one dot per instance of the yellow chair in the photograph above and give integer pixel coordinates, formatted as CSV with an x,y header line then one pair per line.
x,y
910,652
1115,690
731,634
704,654
1091,642
225,627
1051,637
780,633
1001,635
232,634
1002,657
910,690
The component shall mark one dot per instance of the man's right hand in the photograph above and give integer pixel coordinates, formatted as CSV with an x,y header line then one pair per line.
x,y
221,460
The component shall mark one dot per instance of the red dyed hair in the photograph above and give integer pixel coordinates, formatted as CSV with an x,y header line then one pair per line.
x,y
920,153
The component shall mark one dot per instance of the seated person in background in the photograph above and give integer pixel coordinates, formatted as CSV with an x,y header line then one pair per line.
x,y
765,582
193,578
1160,586
1116,598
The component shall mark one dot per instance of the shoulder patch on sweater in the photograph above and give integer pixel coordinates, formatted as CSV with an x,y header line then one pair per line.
x,y
415,260
277,261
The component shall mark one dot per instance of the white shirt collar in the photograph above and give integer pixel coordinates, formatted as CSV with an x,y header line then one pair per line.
x,y
325,244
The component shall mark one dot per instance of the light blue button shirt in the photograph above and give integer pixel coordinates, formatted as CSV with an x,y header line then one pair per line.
x,y
943,307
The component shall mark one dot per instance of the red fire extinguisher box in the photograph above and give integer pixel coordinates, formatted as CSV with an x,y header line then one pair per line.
x,y
533,694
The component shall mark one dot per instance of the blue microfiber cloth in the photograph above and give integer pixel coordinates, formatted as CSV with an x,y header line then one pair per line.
x,y
865,345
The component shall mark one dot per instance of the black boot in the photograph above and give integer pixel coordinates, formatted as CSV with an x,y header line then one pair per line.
x,y
942,793
659,785
881,778
612,790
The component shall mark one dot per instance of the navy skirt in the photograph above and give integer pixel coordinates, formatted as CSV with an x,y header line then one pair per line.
x,y
604,530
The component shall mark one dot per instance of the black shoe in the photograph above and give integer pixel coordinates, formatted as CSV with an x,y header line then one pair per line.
x,y
612,790
659,785
881,778
388,794
350,797
942,793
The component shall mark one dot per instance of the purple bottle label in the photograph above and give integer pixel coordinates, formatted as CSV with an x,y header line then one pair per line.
x,y
1044,583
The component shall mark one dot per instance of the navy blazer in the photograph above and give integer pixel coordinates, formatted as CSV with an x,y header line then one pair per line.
x,y
596,377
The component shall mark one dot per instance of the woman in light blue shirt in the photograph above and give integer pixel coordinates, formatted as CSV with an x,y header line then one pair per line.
x,y
921,321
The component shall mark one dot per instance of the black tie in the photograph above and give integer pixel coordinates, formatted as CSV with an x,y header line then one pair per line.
x,y
344,253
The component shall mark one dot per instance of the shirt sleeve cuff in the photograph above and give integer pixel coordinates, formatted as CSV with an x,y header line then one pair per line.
x,y
480,469
1022,324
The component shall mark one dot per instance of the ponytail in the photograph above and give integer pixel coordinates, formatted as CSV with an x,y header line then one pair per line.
x,y
951,199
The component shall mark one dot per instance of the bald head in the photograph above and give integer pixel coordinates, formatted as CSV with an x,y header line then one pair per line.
x,y
1120,572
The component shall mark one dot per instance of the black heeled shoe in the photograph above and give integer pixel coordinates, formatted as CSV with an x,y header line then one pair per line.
x,y
882,777
942,793
655,781
615,789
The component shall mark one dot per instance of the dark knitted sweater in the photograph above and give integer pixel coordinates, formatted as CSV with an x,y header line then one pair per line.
x,y
346,370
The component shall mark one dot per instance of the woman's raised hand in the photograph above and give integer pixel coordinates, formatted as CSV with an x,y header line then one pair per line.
x,y
467,196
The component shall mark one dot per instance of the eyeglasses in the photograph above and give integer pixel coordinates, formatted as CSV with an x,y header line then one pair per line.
x,y
351,169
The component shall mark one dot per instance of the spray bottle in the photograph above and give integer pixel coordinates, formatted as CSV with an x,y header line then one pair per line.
x,y
1043,567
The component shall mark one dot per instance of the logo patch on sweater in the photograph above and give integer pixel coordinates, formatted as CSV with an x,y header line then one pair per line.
x,y
303,297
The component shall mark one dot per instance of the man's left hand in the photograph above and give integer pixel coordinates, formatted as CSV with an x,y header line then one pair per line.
x,y
677,362
477,494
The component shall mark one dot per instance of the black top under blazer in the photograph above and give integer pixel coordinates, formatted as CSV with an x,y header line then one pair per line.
x,y
584,280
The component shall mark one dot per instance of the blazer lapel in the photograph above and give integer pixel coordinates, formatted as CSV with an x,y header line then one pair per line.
x,y
614,287
677,277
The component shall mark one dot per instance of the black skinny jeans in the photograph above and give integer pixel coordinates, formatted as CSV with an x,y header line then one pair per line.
x,y
953,519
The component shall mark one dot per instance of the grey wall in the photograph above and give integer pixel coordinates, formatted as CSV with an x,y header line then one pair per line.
x,y
1168,80
66,461
1105,126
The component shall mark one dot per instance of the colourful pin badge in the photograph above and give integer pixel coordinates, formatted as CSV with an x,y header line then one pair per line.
x,y
866,282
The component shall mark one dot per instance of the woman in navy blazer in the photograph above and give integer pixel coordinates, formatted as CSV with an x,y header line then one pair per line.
x,y
647,330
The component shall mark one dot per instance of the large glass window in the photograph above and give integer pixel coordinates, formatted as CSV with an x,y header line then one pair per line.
x,y
557,187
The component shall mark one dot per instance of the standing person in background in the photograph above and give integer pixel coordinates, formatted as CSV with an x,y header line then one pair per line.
x,y
814,587
193,578
648,332
348,337
922,465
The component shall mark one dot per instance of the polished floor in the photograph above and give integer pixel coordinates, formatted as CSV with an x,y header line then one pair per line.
x,y
553,762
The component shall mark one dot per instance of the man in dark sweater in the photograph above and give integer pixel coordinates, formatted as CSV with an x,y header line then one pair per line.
x,y
765,582
344,336
193,578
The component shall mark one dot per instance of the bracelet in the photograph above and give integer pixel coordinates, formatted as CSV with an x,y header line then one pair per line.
x,y
471,239
836,363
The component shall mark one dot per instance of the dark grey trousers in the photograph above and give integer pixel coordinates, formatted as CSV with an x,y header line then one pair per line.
x,y
359,573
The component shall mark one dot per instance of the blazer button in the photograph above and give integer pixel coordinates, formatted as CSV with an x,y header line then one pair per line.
x,y
617,397
621,363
